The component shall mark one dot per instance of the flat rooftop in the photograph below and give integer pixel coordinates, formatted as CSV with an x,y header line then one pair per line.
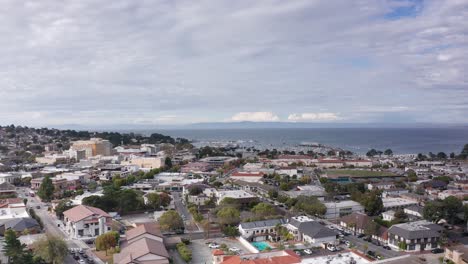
x,y
344,258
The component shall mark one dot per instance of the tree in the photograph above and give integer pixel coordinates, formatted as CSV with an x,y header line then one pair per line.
x,y
433,211
400,215
171,221
46,190
412,176
452,206
228,216
107,241
371,228
452,155
168,163
371,153
464,152
52,249
62,206
441,155
153,200
263,210
92,185
388,152
230,231
309,205
13,248
273,194
372,202
165,199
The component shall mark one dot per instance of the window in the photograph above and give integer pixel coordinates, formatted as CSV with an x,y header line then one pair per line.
x,y
411,247
96,232
80,232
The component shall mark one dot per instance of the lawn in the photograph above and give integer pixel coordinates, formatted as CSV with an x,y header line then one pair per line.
x,y
359,173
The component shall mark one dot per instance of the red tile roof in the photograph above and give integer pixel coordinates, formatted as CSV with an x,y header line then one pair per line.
x,y
144,228
289,258
80,212
247,174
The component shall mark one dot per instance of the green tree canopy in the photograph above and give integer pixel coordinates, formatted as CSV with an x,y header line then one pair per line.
x,y
107,241
46,190
171,221
228,216
309,205
263,210
52,249
153,200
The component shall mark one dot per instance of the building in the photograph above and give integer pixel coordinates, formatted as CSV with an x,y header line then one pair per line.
x,y
195,167
86,221
93,147
20,225
355,222
143,244
392,203
260,230
380,185
145,162
309,231
219,161
273,257
12,208
414,211
339,209
247,176
242,197
52,159
388,215
414,236
457,254
9,177
60,185
7,189
78,176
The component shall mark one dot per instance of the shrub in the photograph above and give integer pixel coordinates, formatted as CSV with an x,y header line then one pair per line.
x,y
184,252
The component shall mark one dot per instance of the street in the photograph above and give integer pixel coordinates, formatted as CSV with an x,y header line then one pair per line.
x,y
50,226
360,244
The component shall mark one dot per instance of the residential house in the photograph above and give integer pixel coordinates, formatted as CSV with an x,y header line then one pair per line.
x,y
9,177
355,222
7,189
414,211
21,225
381,185
260,230
392,203
388,215
195,167
414,236
273,257
143,244
457,254
86,221
309,231
12,208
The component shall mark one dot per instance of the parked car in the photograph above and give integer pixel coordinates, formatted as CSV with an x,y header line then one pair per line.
x,y
214,245
347,243
361,235
81,261
76,257
308,251
331,247
234,249
371,253
437,250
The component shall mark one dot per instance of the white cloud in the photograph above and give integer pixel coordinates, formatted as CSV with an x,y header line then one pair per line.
x,y
255,117
313,117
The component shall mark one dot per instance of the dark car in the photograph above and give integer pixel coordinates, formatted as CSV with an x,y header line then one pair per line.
x,y
85,256
387,247
76,257
371,253
437,250
361,235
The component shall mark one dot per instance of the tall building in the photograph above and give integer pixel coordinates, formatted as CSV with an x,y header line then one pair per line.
x,y
92,147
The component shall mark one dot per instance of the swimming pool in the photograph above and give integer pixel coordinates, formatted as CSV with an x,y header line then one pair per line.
x,y
262,245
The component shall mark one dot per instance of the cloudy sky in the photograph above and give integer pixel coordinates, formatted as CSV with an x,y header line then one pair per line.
x,y
172,62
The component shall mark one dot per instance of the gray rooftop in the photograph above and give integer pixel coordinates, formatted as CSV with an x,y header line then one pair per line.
x,y
263,223
416,230
312,228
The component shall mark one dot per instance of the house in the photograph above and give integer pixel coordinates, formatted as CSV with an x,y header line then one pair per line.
x,y
355,222
247,176
9,177
457,254
414,236
20,225
143,244
12,208
456,193
394,192
242,197
434,184
381,234
336,210
380,185
260,230
217,162
391,203
273,257
196,167
414,210
309,231
388,215
86,221
289,171
7,189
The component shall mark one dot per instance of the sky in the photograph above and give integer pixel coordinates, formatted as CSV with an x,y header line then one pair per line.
x,y
159,62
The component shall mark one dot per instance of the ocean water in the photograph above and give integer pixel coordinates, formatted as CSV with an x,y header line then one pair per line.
x,y
359,140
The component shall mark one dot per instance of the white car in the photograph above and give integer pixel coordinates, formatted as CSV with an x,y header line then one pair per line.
x,y
347,243
234,249
331,247
308,251
214,245
81,261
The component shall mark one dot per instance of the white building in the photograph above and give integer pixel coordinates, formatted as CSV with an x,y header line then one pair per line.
x,y
336,210
390,203
86,221
259,230
9,177
307,230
